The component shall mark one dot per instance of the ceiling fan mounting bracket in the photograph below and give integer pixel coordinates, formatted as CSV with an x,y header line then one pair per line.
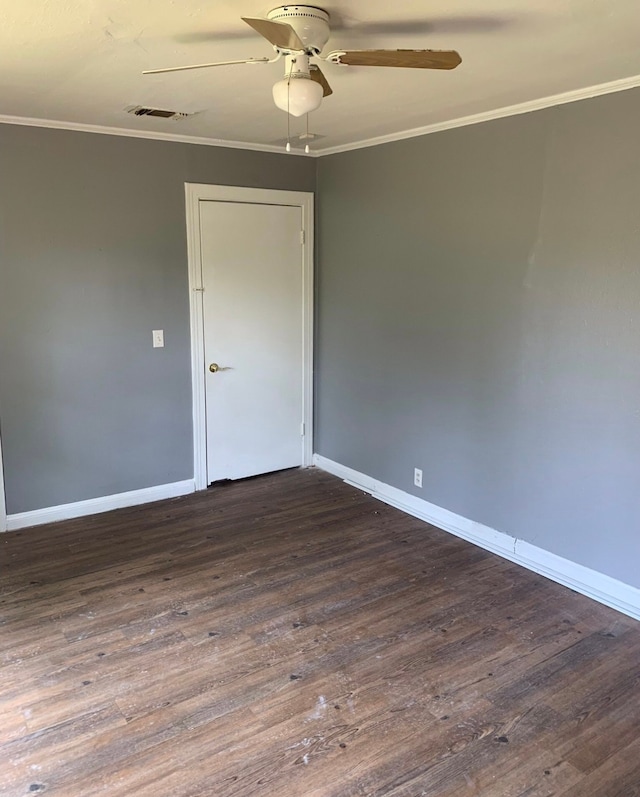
x,y
310,23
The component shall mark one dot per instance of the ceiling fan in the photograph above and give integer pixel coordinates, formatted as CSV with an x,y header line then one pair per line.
x,y
298,34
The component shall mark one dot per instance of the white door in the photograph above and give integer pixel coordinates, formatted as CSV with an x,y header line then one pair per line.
x,y
252,275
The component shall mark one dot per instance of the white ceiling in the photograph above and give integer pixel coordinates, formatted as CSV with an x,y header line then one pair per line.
x,y
80,62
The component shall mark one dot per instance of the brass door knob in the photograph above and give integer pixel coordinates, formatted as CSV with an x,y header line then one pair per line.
x,y
214,367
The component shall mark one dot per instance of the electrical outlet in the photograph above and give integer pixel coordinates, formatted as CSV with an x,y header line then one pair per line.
x,y
158,338
417,477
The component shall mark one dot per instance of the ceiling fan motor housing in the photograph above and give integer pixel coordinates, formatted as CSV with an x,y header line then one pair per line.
x,y
310,23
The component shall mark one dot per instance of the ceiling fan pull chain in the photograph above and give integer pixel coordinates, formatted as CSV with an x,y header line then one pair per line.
x,y
288,147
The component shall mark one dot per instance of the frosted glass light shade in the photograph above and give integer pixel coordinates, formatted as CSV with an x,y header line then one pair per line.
x,y
299,95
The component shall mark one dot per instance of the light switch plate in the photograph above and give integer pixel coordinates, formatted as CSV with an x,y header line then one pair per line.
x,y
158,338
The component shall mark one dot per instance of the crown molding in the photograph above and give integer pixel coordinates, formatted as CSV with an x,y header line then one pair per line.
x,y
126,132
576,95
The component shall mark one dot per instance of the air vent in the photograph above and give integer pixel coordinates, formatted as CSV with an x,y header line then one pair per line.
x,y
140,110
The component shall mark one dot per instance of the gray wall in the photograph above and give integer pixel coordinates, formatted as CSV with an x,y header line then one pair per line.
x,y
92,259
479,318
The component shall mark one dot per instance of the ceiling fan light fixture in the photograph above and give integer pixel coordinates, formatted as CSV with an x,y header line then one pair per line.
x,y
297,95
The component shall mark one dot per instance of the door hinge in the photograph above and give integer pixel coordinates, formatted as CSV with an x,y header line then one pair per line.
x,y
302,237
302,430
198,290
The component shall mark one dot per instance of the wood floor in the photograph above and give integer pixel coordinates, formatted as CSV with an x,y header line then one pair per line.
x,y
291,636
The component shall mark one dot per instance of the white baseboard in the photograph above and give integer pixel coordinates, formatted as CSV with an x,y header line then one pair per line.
x,y
600,587
94,506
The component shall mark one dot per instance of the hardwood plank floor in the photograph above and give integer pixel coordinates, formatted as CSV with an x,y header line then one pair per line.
x,y
291,636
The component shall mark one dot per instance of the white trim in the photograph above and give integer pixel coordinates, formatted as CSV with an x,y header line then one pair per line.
x,y
611,87
96,505
126,132
196,192
3,505
196,315
498,113
600,587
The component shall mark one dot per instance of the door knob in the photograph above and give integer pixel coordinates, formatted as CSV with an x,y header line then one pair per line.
x,y
214,367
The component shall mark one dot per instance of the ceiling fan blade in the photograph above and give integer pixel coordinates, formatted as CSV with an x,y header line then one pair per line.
x,y
280,34
444,24
206,66
415,59
315,73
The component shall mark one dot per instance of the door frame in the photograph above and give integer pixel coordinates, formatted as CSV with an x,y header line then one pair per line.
x,y
3,504
199,192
